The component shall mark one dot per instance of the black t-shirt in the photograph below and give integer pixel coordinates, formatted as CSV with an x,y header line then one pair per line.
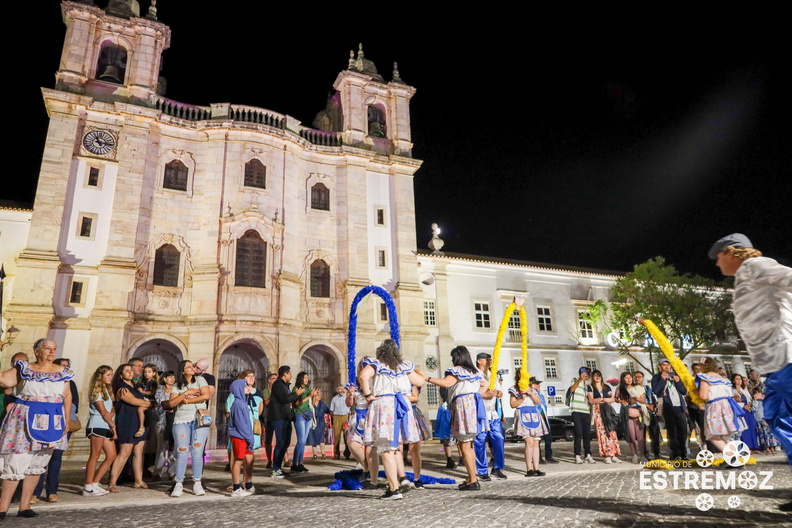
x,y
210,380
606,392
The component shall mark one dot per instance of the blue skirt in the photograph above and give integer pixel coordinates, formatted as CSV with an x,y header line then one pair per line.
x,y
749,435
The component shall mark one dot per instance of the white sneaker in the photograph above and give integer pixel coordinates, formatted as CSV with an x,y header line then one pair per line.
x,y
198,489
615,460
177,490
252,490
241,492
607,460
93,490
405,485
590,460
578,460
99,490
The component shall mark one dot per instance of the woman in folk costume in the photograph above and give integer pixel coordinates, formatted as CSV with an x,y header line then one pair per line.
x,y
384,382
530,423
35,423
468,414
367,457
722,415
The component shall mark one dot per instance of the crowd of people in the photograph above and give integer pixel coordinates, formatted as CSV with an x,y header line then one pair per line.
x,y
141,419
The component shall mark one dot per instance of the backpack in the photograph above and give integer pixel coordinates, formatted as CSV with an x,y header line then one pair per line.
x,y
568,397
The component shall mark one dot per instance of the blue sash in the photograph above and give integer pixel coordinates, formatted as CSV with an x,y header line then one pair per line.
x,y
739,412
400,409
45,421
481,411
360,421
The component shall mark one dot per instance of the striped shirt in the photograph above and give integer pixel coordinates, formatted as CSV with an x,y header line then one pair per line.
x,y
579,401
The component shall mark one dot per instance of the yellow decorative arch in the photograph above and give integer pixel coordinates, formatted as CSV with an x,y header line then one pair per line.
x,y
517,304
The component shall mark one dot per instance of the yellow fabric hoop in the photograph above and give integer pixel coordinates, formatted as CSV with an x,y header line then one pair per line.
x,y
524,374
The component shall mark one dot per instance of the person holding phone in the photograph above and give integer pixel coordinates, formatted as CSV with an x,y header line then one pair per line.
x,y
581,416
668,387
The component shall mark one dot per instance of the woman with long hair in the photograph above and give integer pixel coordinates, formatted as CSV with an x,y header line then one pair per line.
x,y
384,381
316,436
41,388
165,463
634,414
468,415
303,420
128,399
600,397
188,397
101,430
743,397
722,413
529,423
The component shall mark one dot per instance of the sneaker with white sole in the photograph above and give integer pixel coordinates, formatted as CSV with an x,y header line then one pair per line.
x,y
198,489
578,460
240,492
615,460
251,489
405,485
99,490
607,460
590,460
93,490
177,490
392,495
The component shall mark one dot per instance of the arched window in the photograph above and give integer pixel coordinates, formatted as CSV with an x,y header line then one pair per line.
x,y
176,174
255,174
112,64
320,279
166,266
320,197
251,261
376,122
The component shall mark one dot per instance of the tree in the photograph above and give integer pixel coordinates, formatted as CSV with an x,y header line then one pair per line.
x,y
693,312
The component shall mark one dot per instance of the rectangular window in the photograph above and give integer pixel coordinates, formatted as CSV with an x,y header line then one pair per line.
x,y
382,258
728,366
629,367
748,366
320,197
586,330
551,368
380,214
514,327
591,364
93,176
559,400
76,293
383,315
517,363
86,225
481,314
544,319
430,318
432,395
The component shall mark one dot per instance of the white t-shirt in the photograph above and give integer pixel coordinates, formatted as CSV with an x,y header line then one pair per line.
x,y
185,413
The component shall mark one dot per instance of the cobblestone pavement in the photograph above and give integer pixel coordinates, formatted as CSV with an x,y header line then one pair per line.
x,y
570,495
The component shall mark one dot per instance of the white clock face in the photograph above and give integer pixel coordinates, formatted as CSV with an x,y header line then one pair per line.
x,y
99,142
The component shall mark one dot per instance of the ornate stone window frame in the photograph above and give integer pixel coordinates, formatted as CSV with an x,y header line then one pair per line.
x,y
232,229
327,181
147,256
249,155
188,159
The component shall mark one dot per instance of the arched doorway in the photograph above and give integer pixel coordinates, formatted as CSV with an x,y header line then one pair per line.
x,y
321,364
160,352
242,355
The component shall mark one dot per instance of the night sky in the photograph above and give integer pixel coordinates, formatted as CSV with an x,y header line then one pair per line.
x,y
598,140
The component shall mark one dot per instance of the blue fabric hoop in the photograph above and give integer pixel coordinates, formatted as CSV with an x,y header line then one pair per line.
x,y
352,335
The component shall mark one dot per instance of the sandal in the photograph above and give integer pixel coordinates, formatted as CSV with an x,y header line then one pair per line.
x,y
315,457
323,457
140,432
52,498
114,489
140,485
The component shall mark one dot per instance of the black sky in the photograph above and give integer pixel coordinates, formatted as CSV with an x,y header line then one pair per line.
x,y
599,140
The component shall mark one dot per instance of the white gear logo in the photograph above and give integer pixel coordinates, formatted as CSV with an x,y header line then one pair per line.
x,y
704,502
705,458
747,480
736,453
734,501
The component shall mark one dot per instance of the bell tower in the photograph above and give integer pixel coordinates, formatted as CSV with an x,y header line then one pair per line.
x,y
112,54
369,112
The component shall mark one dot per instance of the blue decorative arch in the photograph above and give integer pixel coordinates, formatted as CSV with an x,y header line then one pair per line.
x,y
352,335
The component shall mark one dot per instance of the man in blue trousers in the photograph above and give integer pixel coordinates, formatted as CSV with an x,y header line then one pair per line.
x,y
495,435
762,306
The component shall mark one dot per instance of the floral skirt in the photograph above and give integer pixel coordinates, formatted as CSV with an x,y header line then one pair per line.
x,y
523,430
608,441
424,428
380,425
719,420
464,418
765,436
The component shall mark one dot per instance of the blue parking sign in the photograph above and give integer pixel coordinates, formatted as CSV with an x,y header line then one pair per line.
x,y
550,390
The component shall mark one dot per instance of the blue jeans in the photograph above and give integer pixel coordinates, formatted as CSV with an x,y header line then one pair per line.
x,y
303,427
497,443
187,438
282,430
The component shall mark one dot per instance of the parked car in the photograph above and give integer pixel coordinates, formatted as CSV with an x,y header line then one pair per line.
x,y
561,428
